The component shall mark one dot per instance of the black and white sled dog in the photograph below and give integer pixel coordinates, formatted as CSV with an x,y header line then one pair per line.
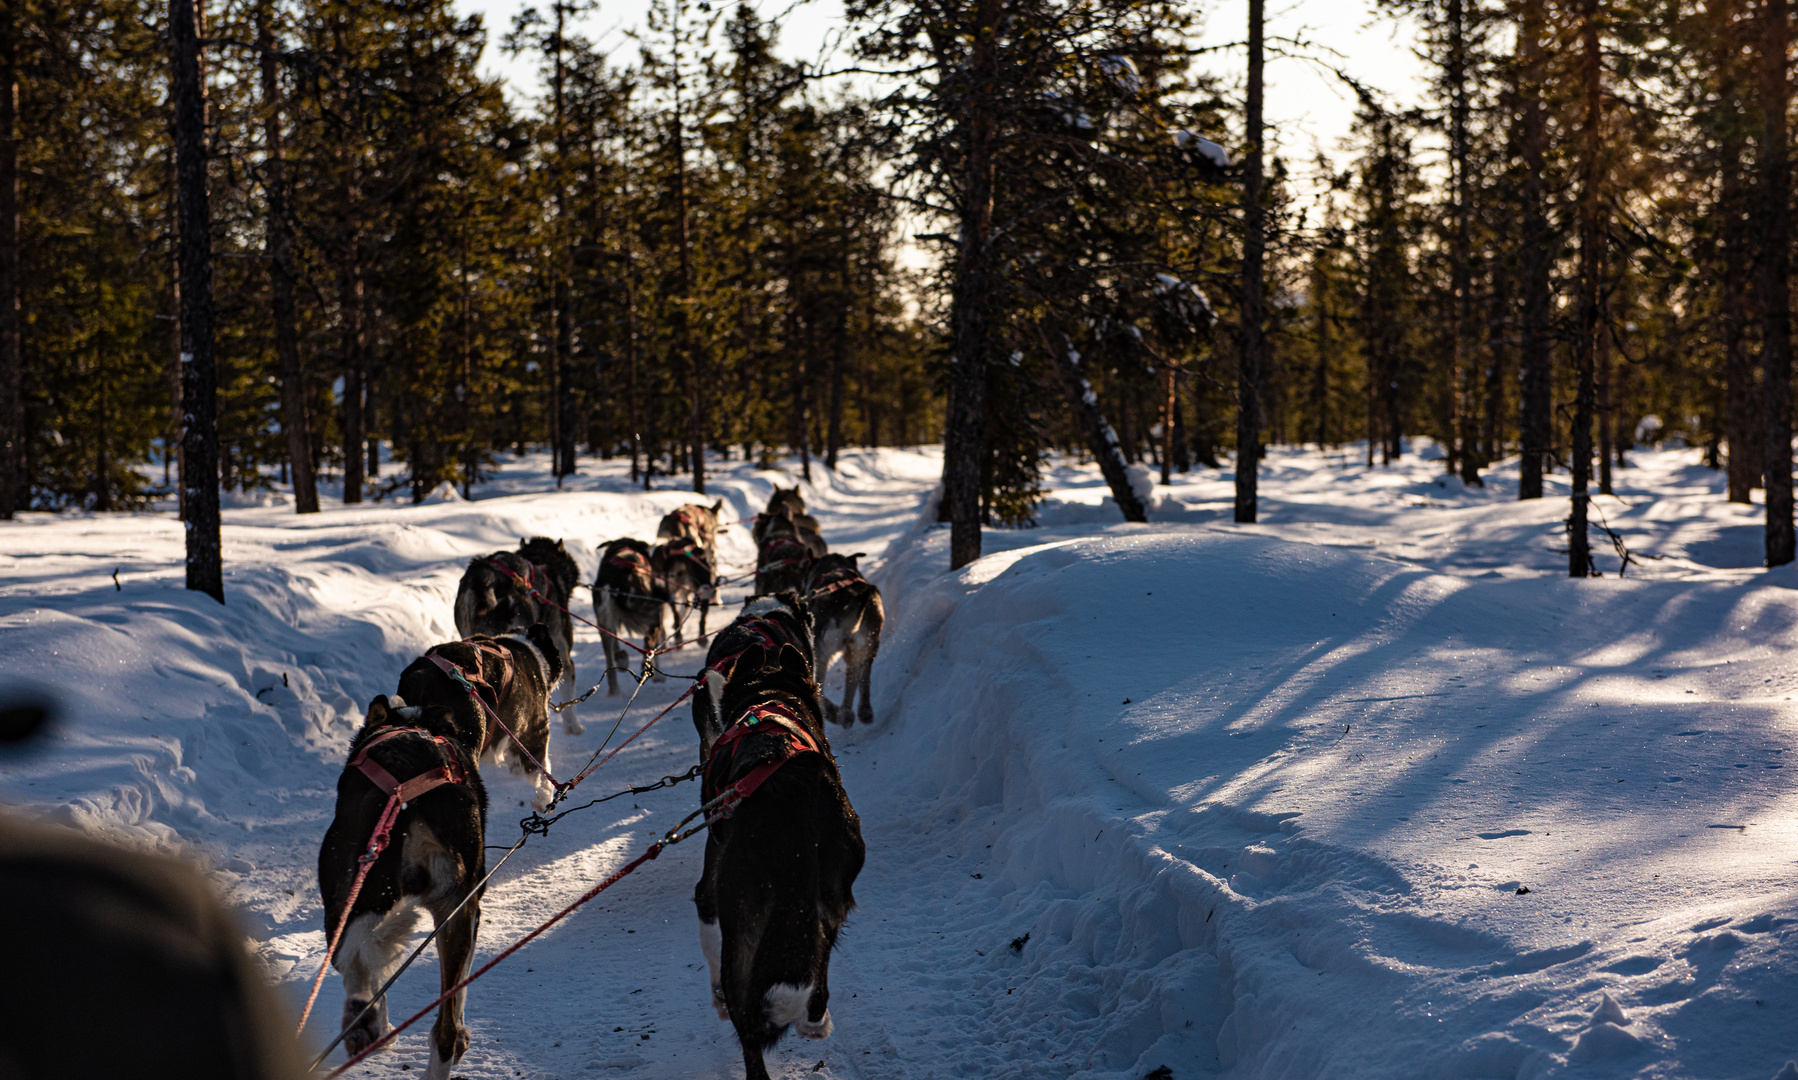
x,y
781,557
847,615
436,854
686,559
781,867
512,590
628,598
767,621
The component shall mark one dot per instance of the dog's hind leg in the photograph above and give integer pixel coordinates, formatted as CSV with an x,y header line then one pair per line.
x,y
370,948
571,723
455,949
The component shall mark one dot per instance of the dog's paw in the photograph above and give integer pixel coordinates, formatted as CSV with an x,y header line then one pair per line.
x,y
819,1029
571,726
866,715
719,1004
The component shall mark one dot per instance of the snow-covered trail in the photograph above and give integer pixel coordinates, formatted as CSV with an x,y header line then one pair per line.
x,y
1243,801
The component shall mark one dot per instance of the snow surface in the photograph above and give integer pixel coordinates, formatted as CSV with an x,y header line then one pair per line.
x,y
1233,800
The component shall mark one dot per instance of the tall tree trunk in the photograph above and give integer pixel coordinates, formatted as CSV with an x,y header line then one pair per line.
x,y
350,296
965,439
1492,425
562,403
1591,272
1743,415
1248,374
1465,417
1101,441
1607,406
296,423
839,371
1320,379
1168,406
15,488
371,389
1536,416
199,379
1775,290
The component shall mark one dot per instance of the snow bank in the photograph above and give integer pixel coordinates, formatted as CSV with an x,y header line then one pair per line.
x,y
1265,808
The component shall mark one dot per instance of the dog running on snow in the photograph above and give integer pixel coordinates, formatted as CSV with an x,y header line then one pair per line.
x,y
781,867
498,594
685,558
437,853
628,599
847,616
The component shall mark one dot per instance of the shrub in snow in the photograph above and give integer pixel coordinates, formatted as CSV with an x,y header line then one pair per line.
x,y
1648,429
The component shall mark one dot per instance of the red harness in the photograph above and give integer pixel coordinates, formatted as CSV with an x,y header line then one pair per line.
x,y
399,793
783,543
537,582
477,682
780,720
629,559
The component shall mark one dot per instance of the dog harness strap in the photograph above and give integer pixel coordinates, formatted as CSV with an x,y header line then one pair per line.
x,y
797,741
456,673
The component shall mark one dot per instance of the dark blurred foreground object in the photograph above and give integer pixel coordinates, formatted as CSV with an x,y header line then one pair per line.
x,y
121,964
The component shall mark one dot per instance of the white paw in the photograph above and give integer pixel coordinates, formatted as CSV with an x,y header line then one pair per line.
x,y
438,1069
819,1030
571,726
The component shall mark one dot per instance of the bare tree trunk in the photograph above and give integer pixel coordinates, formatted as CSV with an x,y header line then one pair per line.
x,y
1248,375
350,306
1591,271
371,388
965,439
296,424
1775,290
1492,425
1743,419
199,379
1101,441
1607,406
839,368
1535,258
1464,417
1168,415
1320,379
15,490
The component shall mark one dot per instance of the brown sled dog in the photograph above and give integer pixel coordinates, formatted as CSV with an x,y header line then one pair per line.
x,y
628,599
847,615
686,559
512,590
781,865
436,853
781,558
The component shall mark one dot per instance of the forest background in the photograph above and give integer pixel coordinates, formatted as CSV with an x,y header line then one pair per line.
x,y
1018,226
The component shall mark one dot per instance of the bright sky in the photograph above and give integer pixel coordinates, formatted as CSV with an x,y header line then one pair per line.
x,y
1308,108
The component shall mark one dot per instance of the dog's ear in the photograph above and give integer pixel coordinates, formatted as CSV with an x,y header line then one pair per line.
x,y
752,661
793,661
717,506
378,711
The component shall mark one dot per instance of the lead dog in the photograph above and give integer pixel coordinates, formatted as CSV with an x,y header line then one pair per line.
x,y
436,854
768,621
628,599
847,616
780,867
512,590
